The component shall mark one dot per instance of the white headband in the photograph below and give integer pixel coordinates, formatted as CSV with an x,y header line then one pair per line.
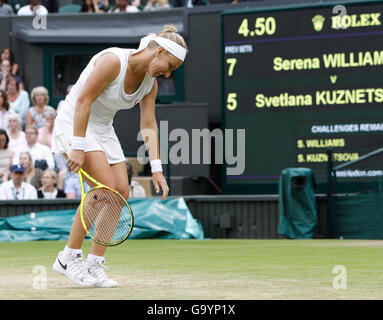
x,y
174,48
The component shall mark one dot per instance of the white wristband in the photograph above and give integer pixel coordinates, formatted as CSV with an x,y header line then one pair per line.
x,y
156,165
78,143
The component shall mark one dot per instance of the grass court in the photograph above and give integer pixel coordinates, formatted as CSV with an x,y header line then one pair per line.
x,y
204,269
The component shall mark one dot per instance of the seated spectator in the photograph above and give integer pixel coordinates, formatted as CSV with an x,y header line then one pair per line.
x,y
4,110
136,190
18,99
32,175
41,155
45,133
48,189
45,138
72,186
5,73
16,188
33,8
61,169
7,54
5,9
17,140
97,6
157,5
35,114
127,6
6,156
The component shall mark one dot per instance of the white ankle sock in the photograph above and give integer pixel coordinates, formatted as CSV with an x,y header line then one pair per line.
x,y
96,259
69,252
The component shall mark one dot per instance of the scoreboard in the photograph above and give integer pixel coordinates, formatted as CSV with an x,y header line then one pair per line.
x,y
298,81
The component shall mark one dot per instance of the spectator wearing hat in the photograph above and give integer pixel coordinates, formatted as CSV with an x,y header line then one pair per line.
x,y
16,189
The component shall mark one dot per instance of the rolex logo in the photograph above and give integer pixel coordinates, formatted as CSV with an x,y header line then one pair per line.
x,y
318,21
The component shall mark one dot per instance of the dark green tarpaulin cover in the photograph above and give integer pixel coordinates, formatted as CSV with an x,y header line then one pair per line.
x,y
297,207
153,218
357,216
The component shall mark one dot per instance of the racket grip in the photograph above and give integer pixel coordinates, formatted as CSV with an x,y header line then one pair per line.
x,y
64,143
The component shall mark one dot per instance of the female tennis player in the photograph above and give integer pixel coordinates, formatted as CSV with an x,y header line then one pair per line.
x,y
114,79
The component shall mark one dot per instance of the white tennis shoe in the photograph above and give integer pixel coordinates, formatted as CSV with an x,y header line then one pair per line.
x,y
97,271
75,268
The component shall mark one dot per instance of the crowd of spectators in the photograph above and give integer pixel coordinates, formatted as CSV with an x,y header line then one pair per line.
x,y
44,7
28,168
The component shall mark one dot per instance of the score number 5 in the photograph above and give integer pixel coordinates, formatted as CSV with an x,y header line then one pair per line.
x,y
231,103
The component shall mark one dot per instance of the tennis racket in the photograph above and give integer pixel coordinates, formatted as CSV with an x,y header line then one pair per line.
x,y
105,214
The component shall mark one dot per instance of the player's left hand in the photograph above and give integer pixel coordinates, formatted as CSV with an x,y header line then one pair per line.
x,y
160,181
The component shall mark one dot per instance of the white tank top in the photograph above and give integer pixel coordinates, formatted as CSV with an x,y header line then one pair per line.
x,y
113,98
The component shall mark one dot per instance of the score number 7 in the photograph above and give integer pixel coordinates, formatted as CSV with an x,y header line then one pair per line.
x,y
231,62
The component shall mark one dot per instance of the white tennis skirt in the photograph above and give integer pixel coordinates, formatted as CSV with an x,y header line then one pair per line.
x,y
98,138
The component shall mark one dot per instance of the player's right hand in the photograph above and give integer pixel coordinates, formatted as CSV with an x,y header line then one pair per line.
x,y
76,160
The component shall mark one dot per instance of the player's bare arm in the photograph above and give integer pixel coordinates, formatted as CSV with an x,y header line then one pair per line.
x,y
106,69
149,132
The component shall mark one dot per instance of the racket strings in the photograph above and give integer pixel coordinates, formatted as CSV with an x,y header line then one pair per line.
x,y
106,215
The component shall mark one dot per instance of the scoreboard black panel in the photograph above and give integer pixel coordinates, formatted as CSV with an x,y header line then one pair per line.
x,y
299,81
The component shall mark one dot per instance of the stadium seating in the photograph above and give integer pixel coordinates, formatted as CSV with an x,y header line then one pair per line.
x,y
70,8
